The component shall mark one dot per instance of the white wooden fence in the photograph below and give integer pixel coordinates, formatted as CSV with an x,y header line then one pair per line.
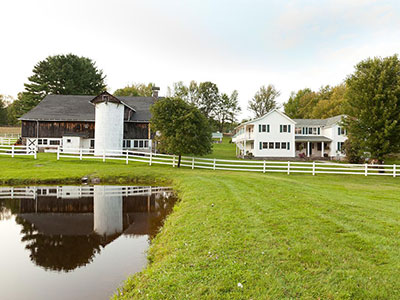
x,y
233,165
7,140
11,150
77,191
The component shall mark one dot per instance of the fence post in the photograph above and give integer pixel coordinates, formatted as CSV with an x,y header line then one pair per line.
x,y
12,151
127,157
214,164
366,169
35,153
151,158
192,163
264,166
58,152
173,161
288,167
394,170
313,168
104,155
80,154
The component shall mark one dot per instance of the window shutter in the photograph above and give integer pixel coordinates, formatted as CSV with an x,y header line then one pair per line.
x,y
281,128
267,127
259,127
288,128
260,145
288,145
338,131
319,131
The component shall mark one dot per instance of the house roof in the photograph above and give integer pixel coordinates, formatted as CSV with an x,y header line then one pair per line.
x,y
311,138
319,122
267,114
79,108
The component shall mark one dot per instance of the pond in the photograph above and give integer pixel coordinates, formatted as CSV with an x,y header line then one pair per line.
x,y
76,242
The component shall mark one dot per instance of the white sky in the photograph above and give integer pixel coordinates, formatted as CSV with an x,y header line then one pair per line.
x,y
236,44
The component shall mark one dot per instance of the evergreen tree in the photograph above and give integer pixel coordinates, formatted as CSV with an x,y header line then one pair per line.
x,y
62,74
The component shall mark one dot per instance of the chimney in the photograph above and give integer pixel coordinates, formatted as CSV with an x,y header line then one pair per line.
x,y
155,90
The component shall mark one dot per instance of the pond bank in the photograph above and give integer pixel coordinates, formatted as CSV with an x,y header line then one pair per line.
x,y
240,235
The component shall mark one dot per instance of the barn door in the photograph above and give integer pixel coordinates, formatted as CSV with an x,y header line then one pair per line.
x,y
31,144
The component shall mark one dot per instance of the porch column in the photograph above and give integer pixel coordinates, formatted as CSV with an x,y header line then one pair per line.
x,y
308,149
323,149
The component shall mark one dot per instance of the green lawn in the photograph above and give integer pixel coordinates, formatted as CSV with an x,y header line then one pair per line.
x,y
225,150
279,236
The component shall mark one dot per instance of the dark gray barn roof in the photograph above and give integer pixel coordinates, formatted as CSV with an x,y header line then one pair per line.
x,y
78,108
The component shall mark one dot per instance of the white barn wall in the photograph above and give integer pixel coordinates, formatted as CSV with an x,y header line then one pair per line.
x,y
109,129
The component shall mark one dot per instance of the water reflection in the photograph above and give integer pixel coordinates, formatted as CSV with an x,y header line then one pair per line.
x,y
66,227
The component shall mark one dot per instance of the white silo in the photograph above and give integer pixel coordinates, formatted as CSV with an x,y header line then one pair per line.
x,y
109,126
107,210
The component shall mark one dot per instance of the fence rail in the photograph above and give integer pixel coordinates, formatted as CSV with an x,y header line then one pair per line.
x,y
77,191
13,151
8,140
264,166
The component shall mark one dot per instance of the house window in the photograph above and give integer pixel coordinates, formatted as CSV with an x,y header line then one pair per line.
x,y
277,145
54,142
265,145
314,131
263,128
283,146
340,147
341,131
271,145
285,128
297,130
319,146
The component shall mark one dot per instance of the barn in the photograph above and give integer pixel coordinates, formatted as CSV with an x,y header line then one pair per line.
x,y
102,122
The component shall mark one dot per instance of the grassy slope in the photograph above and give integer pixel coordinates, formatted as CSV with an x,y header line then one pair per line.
x,y
280,236
225,150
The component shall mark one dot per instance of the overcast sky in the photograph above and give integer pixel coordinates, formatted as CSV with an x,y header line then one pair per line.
x,y
236,44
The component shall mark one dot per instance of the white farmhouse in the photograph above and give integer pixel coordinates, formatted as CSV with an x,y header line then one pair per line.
x,y
275,135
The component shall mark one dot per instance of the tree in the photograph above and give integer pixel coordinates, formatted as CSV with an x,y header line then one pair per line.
x,y
227,109
3,111
373,95
294,107
264,100
136,90
63,74
181,127
208,98
307,104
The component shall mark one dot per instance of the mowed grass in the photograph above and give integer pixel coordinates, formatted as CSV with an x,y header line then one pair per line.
x,y
224,150
237,235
